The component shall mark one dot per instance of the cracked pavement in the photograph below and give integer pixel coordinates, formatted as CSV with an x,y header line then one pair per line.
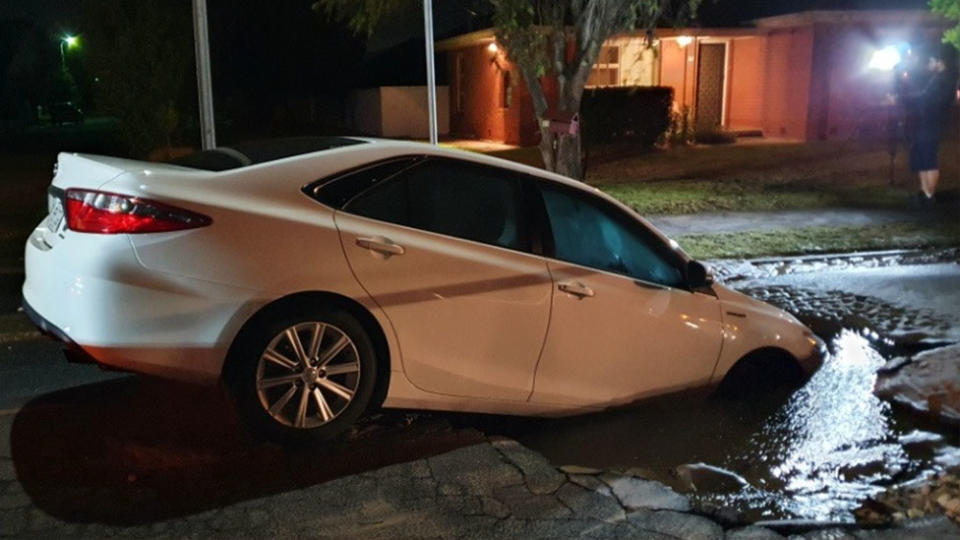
x,y
494,489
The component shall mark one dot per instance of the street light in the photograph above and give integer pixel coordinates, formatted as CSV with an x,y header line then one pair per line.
x,y
68,41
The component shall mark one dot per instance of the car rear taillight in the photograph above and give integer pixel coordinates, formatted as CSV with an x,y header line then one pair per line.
x,y
110,213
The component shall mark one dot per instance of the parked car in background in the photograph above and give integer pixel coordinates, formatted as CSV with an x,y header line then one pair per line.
x,y
65,112
322,277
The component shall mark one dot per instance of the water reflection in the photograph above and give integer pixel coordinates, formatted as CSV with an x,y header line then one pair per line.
x,y
815,453
832,443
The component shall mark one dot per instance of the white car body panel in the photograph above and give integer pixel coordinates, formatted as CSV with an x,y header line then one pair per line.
x,y
471,318
628,341
750,324
468,327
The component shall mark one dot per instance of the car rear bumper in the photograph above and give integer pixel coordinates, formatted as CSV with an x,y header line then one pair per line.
x,y
73,352
91,292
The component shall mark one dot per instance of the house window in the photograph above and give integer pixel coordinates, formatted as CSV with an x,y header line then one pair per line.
x,y
506,90
606,72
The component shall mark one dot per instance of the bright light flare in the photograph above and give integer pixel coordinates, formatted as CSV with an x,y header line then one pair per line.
x,y
492,47
71,41
885,59
683,41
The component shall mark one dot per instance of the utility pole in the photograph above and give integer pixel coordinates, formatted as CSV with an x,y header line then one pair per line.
x,y
208,133
431,75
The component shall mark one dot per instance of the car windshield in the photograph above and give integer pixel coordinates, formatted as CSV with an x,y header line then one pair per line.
x,y
251,153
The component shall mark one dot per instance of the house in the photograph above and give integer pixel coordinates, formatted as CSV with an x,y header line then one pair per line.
x,y
802,76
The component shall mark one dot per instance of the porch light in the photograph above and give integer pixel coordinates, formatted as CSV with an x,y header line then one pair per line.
x,y
884,59
683,41
492,47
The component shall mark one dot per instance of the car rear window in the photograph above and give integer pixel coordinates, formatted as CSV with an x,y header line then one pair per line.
x,y
335,191
251,153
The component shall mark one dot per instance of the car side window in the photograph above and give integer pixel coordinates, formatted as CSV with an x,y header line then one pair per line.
x,y
467,201
338,190
591,234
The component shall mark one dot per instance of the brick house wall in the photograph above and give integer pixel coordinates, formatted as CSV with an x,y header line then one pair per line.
x,y
801,76
488,97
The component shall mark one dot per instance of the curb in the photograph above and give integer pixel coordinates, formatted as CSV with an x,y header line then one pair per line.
x,y
733,269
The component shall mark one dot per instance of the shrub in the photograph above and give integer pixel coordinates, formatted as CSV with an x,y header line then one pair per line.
x,y
636,114
681,127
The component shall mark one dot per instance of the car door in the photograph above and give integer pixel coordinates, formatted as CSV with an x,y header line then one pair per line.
x,y
443,248
623,326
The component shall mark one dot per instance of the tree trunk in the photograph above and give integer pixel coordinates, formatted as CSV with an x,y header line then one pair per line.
x,y
562,153
563,159
569,161
546,148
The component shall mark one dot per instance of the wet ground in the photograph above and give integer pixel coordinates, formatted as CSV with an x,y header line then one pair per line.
x,y
811,453
89,447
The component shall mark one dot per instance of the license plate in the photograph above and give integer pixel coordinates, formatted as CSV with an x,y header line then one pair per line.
x,y
55,216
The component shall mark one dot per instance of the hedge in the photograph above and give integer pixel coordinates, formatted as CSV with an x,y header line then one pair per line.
x,y
639,114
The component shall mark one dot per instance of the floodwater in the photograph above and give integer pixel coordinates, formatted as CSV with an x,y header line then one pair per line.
x,y
810,453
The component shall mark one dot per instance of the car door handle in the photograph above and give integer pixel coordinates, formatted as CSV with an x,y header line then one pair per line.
x,y
381,245
576,288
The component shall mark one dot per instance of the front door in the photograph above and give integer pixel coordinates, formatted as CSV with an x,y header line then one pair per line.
x,y
622,327
443,249
710,84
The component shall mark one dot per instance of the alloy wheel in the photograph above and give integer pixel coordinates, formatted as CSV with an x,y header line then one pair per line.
x,y
308,374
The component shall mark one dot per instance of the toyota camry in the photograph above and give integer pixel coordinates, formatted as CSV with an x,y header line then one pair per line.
x,y
319,278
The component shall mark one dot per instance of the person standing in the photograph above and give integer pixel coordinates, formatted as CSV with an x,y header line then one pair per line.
x,y
930,102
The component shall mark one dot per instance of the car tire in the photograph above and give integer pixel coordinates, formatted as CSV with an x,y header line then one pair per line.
x,y
289,388
760,373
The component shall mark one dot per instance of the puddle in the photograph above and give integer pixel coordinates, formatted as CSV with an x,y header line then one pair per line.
x,y
832,444
811,453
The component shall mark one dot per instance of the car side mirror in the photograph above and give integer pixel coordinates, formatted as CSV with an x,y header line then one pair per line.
x,y
698,275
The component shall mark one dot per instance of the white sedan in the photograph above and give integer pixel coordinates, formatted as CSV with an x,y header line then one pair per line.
x,y
321,277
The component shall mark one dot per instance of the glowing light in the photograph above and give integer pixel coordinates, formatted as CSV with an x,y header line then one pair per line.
x,y
884,59
683,41
492,47
70,41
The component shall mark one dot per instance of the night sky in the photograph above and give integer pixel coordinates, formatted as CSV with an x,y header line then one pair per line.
x,y
392,53
453,15
734,12
267,54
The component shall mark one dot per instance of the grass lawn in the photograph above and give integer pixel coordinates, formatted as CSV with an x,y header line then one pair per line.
x,y
759,176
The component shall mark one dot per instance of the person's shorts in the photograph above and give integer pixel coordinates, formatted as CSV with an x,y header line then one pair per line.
x,y
923,154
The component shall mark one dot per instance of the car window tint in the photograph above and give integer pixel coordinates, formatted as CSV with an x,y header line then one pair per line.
x,y
387,202
456,199
337,191
588,233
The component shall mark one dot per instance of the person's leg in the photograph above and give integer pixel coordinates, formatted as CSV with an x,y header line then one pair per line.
x,y
933,179
925,182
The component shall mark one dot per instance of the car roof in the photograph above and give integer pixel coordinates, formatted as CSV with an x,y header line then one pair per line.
x,y
399,148
245,154
290,150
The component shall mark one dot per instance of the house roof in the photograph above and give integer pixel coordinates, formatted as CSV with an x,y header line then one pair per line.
x,y
482,37
874,16
465,40
912,17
